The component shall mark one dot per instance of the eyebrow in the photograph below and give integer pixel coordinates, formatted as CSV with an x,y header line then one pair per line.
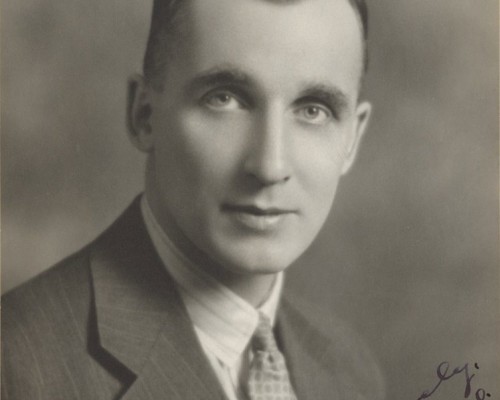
x,y
220,76
331,95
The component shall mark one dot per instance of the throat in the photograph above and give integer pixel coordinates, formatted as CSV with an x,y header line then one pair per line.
x,y
255,289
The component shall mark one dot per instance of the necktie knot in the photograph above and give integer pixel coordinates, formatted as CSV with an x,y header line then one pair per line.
x,y
263,338
268,375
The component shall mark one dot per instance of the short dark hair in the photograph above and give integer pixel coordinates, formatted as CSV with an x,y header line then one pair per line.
x,y
165,31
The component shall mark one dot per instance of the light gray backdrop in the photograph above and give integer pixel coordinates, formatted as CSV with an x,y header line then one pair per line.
x,y
409,255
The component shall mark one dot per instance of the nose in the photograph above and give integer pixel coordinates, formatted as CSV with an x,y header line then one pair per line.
x,y
267,159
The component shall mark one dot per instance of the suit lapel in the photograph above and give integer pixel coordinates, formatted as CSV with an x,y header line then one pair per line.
x,y
306,351
141,320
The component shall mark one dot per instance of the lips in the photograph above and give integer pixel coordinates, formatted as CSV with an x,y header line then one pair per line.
x,y
256,218
254,210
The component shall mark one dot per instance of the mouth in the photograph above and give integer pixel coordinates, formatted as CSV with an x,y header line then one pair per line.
x,y
257,211
256,218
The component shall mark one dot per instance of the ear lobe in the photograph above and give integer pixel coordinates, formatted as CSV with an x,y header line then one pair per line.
x,y
363,112
139,111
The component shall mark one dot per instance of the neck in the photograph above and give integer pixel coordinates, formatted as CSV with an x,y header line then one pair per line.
x,y
253,288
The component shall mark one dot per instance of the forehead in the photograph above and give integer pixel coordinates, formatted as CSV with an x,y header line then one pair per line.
x,y
303,39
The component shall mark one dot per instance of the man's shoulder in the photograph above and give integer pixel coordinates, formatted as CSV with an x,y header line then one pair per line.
x,y
70,279
50,342
39,318
46,308
67,278
339,346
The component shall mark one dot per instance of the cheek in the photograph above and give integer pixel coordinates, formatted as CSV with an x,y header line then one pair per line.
x,y
177,164
200,154
319,163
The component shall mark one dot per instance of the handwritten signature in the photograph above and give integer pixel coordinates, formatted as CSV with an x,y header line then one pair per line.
x,y
443,374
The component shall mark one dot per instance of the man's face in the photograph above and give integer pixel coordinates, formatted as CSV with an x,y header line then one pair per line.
x,y
257,121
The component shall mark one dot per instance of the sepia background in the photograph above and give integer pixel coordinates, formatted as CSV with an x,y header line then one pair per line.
x,y
409,255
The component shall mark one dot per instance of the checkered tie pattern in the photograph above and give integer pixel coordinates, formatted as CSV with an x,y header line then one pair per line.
x,y
268,377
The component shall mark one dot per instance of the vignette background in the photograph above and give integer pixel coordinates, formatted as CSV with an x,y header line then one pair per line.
x,y
409,255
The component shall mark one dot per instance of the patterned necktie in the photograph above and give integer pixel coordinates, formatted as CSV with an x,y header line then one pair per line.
x,y
268,377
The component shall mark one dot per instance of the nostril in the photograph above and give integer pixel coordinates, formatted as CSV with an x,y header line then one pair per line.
x,y
269,179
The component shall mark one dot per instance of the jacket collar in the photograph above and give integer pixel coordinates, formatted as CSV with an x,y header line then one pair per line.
x,y
307,353
141,320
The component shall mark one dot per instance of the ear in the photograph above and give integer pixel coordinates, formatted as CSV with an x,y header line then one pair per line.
x,y
139,111
363,112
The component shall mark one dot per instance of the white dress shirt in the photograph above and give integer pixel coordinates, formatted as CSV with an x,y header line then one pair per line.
x,y
223,321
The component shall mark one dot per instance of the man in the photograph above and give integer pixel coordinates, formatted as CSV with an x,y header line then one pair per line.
x,y
249,113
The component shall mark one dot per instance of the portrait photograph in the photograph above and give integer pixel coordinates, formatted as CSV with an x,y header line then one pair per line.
x,y
250,200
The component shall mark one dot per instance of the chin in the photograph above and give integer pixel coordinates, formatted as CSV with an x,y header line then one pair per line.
x,y
258,262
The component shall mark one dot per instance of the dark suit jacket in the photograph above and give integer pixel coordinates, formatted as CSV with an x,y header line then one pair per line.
x,y
107,323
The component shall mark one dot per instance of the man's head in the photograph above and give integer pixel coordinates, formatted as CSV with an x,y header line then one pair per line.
x,y
256,120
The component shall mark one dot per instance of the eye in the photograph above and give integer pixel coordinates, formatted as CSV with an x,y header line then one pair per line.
x,y
314,114
223,101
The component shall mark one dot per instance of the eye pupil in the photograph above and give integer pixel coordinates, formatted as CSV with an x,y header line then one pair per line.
x,y
312,111
223,98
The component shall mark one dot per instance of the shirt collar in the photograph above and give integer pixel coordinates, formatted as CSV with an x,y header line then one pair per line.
x,y
226,320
